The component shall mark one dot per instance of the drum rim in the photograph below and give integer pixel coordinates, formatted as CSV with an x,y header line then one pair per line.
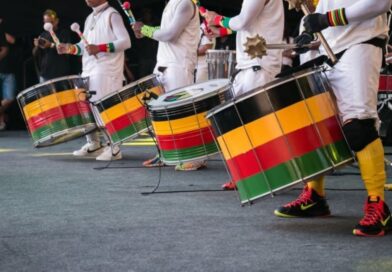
x,y
260,89
132,84
47,83
221,50
143,79
180,103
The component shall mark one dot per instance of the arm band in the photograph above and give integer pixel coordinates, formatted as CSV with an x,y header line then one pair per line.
x,y
225,31
337,17
222,21
107,48
148,31
75,50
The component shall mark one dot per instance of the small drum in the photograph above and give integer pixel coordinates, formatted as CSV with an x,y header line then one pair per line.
x,y
123,112
57,111
281,134
178,118
384,107
221,63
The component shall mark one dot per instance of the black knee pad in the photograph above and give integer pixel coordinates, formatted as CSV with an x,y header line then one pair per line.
x,y
360,133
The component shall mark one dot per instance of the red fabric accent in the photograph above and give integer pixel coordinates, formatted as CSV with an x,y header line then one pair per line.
x,y
103,48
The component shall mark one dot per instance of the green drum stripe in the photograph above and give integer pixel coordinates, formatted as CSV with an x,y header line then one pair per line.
x,y
283,175
77,120
189,153
129,131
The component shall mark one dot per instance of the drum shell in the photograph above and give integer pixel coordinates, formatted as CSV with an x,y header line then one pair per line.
x,y
182,132
281,134
123,113
57,111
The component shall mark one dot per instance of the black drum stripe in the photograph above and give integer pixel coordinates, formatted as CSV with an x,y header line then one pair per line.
x,y
186,110
51,88
264,103
118,98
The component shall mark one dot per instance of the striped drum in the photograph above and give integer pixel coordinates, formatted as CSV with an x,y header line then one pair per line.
x,y
178,119
281,134
123,112
57,110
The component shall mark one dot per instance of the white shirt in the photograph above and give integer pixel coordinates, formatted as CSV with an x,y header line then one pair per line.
x,y
105,26
204,40
367,19
265,18
178,35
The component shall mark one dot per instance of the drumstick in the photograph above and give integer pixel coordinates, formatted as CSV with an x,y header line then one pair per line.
x,y
257,47
49,27
127,9
300,4
76,28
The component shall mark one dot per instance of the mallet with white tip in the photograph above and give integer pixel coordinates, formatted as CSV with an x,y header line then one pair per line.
x,y
49,27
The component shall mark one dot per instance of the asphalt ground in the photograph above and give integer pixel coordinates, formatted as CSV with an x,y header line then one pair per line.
x,y
60,213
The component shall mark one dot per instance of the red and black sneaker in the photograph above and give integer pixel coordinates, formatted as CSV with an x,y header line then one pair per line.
x,y
377,219
308,204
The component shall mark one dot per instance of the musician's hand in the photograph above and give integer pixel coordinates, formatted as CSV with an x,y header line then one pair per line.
x,y
210,17
316,22
137,29
63,48
92,49
213,32
301,40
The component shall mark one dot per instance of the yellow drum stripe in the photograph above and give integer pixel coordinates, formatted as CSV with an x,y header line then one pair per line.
x,y
157,90
321,106
122,108
181,125
258,132
52,101
294,117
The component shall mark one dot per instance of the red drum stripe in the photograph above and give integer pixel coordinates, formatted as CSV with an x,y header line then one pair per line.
x,y
185,140
126,120
65,111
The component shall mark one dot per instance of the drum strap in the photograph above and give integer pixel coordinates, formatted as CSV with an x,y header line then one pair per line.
x,y
254,68
377,42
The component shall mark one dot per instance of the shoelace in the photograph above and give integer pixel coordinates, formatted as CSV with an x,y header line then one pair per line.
x,y
372,214
303,198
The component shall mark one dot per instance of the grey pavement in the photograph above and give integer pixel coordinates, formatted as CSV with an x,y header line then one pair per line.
x,y
59,213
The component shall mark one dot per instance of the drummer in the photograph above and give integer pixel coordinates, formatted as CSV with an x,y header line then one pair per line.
x,y
103,63
262,17
357,32
178,37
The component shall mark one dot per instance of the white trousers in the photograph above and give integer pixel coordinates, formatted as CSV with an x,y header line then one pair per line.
x,y
355,80
175,77
247,80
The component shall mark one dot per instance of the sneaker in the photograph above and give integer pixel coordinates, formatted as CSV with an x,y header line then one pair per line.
x,y
154,162
110,153
191,166
308,204
229,186
377,219
89,150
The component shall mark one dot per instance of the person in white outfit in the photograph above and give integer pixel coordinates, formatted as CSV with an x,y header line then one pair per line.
x,y
257,17
178,37
262,17
357,32
103,64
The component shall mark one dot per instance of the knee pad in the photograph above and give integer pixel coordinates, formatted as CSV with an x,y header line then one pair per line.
x,y
360,133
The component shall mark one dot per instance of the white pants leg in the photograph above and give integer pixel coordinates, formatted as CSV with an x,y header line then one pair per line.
x,y
355,80
202,74
175,77
247,80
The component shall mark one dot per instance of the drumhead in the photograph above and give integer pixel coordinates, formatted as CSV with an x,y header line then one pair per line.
x,y
264,88
189,94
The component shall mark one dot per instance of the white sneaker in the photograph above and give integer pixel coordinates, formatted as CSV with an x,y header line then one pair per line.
x,y
110,153
89,150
